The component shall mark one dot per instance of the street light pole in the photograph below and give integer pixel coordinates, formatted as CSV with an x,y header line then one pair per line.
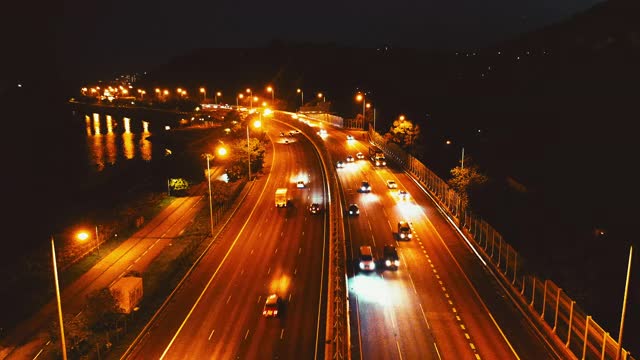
x,y
301,96
273,93
250,98
374,119
97,240
210,201
218,94
624,306
248,153
55,276
462,159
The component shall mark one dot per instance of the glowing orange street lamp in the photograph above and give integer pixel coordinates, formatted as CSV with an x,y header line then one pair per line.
x,y
204,94
273,93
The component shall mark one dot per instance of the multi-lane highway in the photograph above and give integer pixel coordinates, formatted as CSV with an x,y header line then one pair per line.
x,y
442,302
218,312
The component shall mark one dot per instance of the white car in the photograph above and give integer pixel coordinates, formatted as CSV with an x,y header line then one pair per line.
x,y
349,158
339,164
300,184
349,137
391,184
360,156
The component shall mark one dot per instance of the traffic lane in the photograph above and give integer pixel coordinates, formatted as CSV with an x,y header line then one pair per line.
x,y
384,319
486,292
258,336
167,321
444,332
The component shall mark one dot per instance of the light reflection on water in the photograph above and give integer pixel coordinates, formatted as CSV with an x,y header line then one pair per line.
x,y
110,140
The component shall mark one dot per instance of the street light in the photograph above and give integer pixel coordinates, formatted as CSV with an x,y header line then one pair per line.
x,y
240,96
301,96
361,97
55,276
83,235
257,124
321,96
218,94
204,94
250,98
449,142
207,155
273,93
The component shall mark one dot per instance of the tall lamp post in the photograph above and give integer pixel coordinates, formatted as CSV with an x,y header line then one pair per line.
x,y
321,96
299,91
250,98
449,142
204,94
218,93
256,124
361,97
208,156
273,93
240,96
55,276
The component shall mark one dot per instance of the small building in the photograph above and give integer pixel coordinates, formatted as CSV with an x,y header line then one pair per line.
x,y
128,292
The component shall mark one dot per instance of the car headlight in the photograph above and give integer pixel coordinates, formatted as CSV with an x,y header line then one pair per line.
x,y
396,263
388,262
401,236
361,266
409,236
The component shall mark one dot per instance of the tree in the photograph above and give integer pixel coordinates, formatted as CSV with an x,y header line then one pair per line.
x,y
238,157
220,191
464,179
76,332
102,310
404,133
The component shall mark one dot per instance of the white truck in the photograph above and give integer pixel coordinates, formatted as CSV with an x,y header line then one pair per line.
x,y
281,197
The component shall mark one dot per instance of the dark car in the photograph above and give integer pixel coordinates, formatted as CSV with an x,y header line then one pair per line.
x,y
365,187
354,209
390,257
314,208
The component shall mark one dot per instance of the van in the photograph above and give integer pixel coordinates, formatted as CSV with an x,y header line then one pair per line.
x,y
367,261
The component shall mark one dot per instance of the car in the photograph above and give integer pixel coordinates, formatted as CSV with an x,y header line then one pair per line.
x,y
403,195
300,184
281,134
349,158
365,187
391,184
271,306
286,141
354,209
367,260
404,230
349,137
360,156
314,208
339,164
390,257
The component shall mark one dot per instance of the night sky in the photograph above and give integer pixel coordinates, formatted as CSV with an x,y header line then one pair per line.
x,y
89,40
